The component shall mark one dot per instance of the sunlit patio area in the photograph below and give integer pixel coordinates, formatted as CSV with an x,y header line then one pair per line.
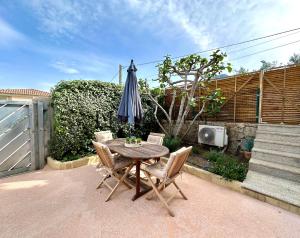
x,y
56,203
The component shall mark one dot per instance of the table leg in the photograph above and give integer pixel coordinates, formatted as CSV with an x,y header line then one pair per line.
x,y
138,177
138,192
157,180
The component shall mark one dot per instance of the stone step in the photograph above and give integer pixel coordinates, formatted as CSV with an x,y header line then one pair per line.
x,y
279,128
278,136
276,157
275,169
282,146
278,188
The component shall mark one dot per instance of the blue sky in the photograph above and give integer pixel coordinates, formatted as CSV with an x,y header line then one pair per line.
x,y
45,41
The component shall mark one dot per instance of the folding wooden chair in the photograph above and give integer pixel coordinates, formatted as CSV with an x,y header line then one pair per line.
x,y
167,173
113,165
103,136
156,138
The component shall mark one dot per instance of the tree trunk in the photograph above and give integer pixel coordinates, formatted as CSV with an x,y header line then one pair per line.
x,y
187,108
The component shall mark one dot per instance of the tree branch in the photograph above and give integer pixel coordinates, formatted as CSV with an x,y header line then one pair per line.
x,y
193,121
160,107
187,109
158,122
182,103
172,103
182,81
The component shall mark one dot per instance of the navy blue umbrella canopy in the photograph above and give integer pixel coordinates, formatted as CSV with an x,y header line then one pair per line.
x,y
130,108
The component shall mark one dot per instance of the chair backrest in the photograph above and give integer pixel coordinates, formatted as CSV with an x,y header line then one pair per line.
x,y
156,138
103,136
104,154
177,160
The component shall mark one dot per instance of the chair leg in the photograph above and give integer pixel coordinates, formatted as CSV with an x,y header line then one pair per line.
x,y
126,183
119,183
159,196
179,190
102,181
150,195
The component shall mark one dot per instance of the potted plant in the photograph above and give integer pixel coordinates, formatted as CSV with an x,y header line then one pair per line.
x,y
247,145
133,142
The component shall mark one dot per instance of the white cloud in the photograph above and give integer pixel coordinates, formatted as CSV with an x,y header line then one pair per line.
x,y
8,35
64,17
203,24
65,68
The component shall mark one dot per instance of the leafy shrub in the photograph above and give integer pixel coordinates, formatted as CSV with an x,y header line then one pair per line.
x,y
213,155
70,157
196,150
229,168
82,107
173,143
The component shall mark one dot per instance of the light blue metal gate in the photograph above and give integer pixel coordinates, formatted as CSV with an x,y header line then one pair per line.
x,y
16,137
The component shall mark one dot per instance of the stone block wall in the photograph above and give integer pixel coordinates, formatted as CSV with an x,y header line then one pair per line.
x,y
235,131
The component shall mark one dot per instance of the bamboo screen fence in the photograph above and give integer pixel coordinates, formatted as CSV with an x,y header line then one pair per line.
x,y
271,96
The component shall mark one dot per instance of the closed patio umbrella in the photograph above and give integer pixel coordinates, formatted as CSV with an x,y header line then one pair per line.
x,y
130,108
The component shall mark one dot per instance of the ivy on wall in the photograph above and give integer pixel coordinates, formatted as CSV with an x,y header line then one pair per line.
x,y
82,107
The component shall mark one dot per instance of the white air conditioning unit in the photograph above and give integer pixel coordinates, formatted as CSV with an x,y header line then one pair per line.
x,y
212,135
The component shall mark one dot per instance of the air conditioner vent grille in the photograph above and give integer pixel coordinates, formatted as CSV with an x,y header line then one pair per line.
x,y
207,135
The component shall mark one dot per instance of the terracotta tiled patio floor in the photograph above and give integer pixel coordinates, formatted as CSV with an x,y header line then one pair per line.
x,y
65,203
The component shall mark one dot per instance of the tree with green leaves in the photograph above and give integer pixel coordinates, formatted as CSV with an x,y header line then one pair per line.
x,y
182,78
242,70
265,65
294,59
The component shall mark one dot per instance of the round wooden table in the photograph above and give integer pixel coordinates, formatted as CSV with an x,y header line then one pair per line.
x,y
145,152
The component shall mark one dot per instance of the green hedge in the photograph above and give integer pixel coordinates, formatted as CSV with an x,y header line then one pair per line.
x,y
82,107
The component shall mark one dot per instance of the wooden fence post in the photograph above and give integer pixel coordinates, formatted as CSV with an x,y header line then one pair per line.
x,y
283,96
261,89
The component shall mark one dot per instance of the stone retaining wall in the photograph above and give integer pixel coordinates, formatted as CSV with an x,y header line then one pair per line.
x,y
236,132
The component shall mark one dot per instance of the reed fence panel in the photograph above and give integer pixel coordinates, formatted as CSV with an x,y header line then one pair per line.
x,y
272,96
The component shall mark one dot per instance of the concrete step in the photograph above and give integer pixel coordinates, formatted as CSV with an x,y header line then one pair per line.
x,y
278,188
278,136
282,146
276,157
275,169
279,128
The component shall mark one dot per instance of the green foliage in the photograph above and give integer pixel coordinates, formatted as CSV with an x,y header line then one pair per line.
x,y
70,157
214,100
208,68
228,167
82,107
247,144
267,65
196,150
213,155
173,143
242,70
294,59
133,140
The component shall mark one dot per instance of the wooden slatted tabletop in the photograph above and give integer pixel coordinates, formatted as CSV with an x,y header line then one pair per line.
x,y
146,151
